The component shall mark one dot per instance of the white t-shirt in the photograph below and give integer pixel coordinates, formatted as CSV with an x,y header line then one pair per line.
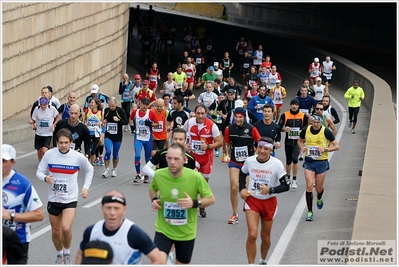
x,y
44,119
267,173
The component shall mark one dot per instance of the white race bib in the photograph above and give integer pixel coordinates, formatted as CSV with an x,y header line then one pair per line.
x,y
196,147
294,133
313,152
112,127
173,214
241,153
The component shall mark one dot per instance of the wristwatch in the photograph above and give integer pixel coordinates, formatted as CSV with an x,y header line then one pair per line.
x,y
12,215
208,146
199,201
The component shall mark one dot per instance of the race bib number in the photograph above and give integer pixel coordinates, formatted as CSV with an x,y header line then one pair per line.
x,y
198,60
226,64
209,47
304,111
174,215
260,109
241,153
9,223
60,188
112,127
328,75
189,75
246,65
219,119
277,98
313,152
126,95
153,78
294,133
143,133
196,147
73,145
44,123
159,128
255,190
169,42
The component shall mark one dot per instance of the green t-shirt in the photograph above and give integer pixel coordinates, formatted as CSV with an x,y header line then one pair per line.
x,y
173,222
208,77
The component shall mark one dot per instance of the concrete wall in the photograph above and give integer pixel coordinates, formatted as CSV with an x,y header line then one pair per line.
x,y
66,45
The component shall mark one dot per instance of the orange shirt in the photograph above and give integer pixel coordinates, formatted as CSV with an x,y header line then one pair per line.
x,y
159,133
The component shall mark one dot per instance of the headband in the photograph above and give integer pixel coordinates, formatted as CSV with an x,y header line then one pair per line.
x,y
111,199
316,118
266,144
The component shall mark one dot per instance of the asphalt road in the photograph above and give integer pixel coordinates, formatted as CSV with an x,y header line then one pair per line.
x,y
294,241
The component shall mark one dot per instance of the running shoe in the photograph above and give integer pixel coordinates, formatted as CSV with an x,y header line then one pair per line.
x,y
233,219
96,162
320,203
67,259
106,173
261,262
126,128
294,185
101,161
217,153
202,213
113,173
353,131
350,124
309,216
146,179
300,157
223,157
170,259
137,179
59,260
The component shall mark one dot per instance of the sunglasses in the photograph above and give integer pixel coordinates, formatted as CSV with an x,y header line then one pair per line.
x,y
319,108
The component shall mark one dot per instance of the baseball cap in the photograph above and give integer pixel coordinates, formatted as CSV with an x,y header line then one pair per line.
x,y
211,68
318,79
216,64
95,89
137,76
294,102
145,100
278,81
238,103
43,100
97,252
145,82
316,59
240,110
8,152
231,91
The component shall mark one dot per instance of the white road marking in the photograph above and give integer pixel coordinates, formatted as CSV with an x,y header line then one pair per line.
x,y
93,203
286,236
41,232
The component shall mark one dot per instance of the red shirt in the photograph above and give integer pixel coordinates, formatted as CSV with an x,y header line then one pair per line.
x,y
148,94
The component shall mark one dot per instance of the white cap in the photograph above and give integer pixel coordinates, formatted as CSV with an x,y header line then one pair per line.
x,y
318,79
216,64
94,89
278,81
238,103
8,152
316,59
